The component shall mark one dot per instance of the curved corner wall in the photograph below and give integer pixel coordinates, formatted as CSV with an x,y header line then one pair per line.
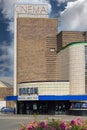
x,y
71,66
77,69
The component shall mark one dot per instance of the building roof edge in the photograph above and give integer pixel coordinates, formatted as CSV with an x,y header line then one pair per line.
x,y
72,44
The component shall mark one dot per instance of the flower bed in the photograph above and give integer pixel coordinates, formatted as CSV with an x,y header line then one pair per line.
x,y
77,124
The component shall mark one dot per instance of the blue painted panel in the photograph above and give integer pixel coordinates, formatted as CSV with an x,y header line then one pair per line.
x,y
11,98
52,97
64,97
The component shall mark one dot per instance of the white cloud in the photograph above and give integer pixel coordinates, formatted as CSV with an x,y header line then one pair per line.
x,y
62,1
7,7
6,59
74,17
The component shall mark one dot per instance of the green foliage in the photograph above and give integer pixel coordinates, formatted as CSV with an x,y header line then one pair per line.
x,y
54,123
77,124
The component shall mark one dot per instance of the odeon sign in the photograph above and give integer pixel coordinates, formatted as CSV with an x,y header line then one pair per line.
x,y
28,93
32,9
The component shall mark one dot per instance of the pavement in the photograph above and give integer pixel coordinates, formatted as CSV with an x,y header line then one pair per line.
x,y
40,117
14,121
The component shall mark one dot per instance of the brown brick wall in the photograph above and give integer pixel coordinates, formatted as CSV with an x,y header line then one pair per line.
x,y
51,46
66,37
5,92
59,41
35,38
10,104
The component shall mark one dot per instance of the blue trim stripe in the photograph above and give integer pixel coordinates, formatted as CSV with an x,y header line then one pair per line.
x,y
11,98
52,97
64,97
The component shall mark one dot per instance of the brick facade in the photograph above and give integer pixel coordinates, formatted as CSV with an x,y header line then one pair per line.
x,y
66,37
5,92
36,49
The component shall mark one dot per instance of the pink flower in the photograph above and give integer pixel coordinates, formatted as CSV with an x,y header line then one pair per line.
x,y
69,127
21,128
32,125
78,123
47,127
63,125
53,129
73,122
29,127
43,124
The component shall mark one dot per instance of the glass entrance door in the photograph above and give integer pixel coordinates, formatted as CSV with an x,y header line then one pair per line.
x,y
43,107
61,107
21,108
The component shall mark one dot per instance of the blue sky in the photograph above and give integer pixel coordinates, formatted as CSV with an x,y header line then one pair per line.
x,y
72,15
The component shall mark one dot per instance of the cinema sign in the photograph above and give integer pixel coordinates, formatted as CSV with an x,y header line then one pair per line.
x,y
28,93
32,9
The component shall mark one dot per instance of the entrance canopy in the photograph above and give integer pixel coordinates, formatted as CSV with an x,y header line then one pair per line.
x,y
52,97
64,97
11,98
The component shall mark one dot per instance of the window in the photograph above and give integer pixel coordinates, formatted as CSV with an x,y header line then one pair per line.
x,y
52,49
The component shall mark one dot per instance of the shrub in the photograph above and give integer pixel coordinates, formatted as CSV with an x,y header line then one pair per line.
x,y
77,124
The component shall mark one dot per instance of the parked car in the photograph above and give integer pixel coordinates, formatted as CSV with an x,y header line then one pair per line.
x,y
7,110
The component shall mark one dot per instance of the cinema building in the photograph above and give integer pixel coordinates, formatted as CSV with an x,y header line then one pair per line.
x,y
50,67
